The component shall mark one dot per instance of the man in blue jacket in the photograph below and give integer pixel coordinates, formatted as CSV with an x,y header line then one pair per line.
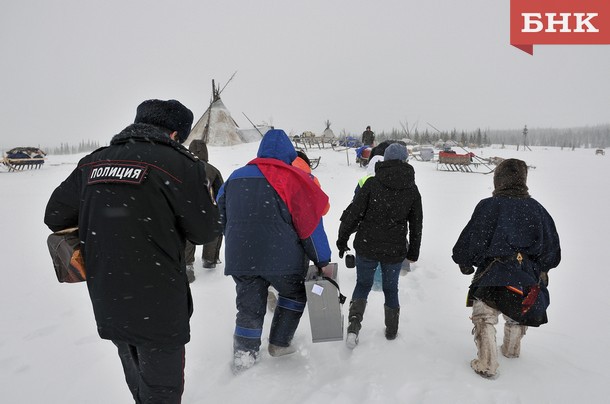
x,y
272,218
512,241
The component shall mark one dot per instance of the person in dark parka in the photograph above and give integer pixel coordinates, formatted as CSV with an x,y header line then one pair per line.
x,y
272,218
383,212
368,137
512,241
211,250
136,202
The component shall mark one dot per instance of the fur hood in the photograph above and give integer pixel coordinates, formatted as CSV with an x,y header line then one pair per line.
x,y
510,178
199,149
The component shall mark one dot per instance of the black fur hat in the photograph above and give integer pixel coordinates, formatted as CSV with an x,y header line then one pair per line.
x,y
510,178
199,149
170,115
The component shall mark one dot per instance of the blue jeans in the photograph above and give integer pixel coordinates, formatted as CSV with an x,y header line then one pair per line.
x,y
365,273
251,304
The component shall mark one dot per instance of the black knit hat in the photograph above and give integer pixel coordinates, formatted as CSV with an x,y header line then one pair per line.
x,y
170,115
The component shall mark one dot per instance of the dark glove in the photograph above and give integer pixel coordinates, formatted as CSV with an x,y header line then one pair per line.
x,y
467,269
544,278
321,265
342,246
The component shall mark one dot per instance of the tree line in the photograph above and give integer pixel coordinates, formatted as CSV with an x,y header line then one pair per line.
x,y
84,146
580,137
597,136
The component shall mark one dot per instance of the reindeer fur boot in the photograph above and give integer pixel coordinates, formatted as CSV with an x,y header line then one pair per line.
x,y
484,319
513,332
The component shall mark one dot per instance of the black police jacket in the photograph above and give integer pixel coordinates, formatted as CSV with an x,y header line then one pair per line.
x,y
136,202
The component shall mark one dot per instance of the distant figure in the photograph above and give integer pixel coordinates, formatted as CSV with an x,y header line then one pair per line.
x,y
136,202
368,137
271,213
384,211
512,241
211,250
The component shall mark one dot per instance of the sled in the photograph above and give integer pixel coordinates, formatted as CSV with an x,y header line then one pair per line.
x,y
338,148
348,142
363,155
314,163
465,163
308,140
405,268
424,154
24,158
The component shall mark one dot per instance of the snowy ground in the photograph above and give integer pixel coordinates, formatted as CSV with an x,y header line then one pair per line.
x,y
50,351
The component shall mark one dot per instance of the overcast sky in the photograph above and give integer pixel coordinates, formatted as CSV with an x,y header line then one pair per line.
x,y
77,69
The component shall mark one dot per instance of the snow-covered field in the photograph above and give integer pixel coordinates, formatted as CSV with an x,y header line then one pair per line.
x,y
50,351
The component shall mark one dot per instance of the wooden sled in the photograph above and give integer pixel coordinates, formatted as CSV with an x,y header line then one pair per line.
x,y
314,163
465,163
23,158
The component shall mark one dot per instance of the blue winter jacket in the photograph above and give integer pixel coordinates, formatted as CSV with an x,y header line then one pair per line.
x,y
258,228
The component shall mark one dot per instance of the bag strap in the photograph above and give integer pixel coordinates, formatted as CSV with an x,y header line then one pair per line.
x,y
342,298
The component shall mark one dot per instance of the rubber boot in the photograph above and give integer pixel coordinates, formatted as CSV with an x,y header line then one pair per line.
x,y
513,332
243,360
211,252
484,319
391,322
356,314
276,351
286,318
246,343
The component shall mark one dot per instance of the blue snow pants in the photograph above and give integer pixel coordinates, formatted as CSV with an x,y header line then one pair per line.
x,y
251,305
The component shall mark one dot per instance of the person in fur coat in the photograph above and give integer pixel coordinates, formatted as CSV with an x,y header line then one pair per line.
x,y
512,241
211,251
